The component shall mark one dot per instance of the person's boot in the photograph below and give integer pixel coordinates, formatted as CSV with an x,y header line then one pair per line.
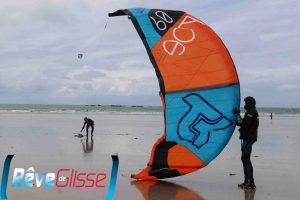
x,y
242,185
250,186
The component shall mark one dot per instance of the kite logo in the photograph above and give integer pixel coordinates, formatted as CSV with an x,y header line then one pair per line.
x,y
197,124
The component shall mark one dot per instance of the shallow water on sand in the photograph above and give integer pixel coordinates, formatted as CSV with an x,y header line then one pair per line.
x,y
47,142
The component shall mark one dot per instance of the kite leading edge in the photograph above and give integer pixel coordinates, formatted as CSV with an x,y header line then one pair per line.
x,y
199,87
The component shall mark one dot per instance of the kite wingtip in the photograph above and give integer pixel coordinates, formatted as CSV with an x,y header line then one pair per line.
x,y
118,13
133,176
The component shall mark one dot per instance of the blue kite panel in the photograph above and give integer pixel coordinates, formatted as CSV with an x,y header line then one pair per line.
x,y
141,15
202,120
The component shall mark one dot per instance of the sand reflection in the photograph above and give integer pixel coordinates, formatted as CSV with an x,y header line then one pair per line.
x,y
249,194
87,145
153,190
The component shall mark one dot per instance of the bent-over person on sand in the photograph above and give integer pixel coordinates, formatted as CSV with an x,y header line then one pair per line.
x,y
88,123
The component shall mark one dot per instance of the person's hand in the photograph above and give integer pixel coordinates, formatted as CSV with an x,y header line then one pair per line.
x,y
236,111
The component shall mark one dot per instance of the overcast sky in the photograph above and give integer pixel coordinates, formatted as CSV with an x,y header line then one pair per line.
x,y
40,41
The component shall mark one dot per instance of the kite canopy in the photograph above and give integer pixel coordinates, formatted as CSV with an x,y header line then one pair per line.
x,y
199,88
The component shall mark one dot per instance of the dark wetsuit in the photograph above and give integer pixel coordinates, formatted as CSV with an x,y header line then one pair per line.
x,y
248,135
88,123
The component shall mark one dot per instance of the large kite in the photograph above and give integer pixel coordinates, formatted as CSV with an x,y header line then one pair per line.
x,y
199,87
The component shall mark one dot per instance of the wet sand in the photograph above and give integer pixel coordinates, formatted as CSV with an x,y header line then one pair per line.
x,y
47,142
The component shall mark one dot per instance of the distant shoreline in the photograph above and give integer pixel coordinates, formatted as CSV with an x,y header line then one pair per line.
x,y
97,108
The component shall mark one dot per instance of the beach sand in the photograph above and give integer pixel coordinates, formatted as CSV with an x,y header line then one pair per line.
x,y
47,143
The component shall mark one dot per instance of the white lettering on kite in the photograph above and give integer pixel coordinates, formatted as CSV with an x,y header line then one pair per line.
x,y
164,18
178,42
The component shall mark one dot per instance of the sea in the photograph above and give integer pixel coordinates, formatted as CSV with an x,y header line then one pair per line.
x,y
126,109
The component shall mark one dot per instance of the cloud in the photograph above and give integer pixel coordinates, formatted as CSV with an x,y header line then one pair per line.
x,y
86,75
40,41
125,81
271,75
273,36
289,88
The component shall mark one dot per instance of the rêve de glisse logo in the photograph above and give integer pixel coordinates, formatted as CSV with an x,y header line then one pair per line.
x,y
62,178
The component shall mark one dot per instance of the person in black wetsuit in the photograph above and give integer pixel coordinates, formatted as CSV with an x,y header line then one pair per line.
x,y
88,123
248,135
